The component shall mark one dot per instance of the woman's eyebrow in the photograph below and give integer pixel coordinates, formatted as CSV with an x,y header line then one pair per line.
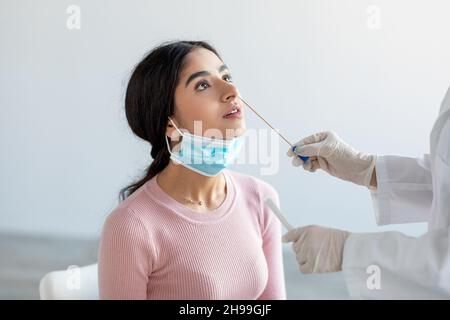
x,y
204,73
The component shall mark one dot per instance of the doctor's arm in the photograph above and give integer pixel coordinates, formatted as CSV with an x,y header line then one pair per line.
x,y
378,265
403,191
401,187
407,267
393,265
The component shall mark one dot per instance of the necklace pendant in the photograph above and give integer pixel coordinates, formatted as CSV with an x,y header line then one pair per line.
x,y
199,203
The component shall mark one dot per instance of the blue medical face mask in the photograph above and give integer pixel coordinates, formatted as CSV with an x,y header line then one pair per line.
x,y
203,155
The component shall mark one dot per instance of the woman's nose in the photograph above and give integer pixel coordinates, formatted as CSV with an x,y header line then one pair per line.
x,y
231,91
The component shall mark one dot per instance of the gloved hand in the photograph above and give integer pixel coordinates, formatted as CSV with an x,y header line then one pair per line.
x,y
318,249
328,152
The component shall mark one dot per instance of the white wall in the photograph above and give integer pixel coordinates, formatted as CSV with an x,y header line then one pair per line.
x,y
66,149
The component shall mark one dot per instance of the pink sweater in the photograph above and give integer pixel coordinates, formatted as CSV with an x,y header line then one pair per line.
x,y
153,247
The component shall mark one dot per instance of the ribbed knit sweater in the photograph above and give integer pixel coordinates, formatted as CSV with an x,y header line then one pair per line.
x,y
153,247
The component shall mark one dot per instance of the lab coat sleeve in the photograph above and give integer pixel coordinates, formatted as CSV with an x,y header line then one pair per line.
x,y
392,265
404,190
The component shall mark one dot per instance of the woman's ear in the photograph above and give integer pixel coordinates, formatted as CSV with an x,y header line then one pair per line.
x,y
171,131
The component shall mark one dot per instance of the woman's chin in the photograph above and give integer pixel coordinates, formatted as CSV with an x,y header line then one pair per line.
x,y
235,131
233,123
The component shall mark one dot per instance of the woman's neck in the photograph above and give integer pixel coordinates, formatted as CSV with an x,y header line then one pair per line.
x,y
182,184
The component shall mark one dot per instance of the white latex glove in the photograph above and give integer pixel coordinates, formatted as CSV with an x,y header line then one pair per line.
x,y
328,152
318,249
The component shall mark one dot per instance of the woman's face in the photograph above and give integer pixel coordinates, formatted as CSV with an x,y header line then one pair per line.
x,y
206,95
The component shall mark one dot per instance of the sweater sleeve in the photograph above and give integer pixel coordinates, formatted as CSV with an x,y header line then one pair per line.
x,y
272,247
124,262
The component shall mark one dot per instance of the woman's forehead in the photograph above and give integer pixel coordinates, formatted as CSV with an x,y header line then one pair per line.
x,y
201,60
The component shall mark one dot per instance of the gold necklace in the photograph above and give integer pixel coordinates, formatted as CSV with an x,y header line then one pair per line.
x,y
194,202
199,202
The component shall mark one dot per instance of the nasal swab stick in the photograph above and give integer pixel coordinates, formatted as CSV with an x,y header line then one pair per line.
x,y
278,132
279,215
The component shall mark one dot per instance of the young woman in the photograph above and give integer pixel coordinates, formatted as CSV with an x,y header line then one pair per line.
x,y
190,229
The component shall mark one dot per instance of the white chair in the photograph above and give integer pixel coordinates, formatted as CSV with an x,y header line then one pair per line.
x,y
74,283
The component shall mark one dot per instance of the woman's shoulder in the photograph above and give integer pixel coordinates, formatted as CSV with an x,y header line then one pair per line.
x,y
123,218
130,211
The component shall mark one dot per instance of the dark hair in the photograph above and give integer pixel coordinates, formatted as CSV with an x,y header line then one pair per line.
x,y
149,101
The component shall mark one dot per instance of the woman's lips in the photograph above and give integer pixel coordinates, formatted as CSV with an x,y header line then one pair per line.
x,y
234,115
234,112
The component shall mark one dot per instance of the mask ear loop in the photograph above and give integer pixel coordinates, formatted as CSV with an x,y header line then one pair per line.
x,y
181,133
167,140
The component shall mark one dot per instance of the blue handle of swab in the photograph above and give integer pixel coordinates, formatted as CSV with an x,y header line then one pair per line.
x,y
304,159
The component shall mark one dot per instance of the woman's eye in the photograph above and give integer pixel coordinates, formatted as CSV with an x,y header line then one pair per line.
x,y
228,78
202,86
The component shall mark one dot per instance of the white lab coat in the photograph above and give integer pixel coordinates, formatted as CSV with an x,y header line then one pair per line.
x,y
409,190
